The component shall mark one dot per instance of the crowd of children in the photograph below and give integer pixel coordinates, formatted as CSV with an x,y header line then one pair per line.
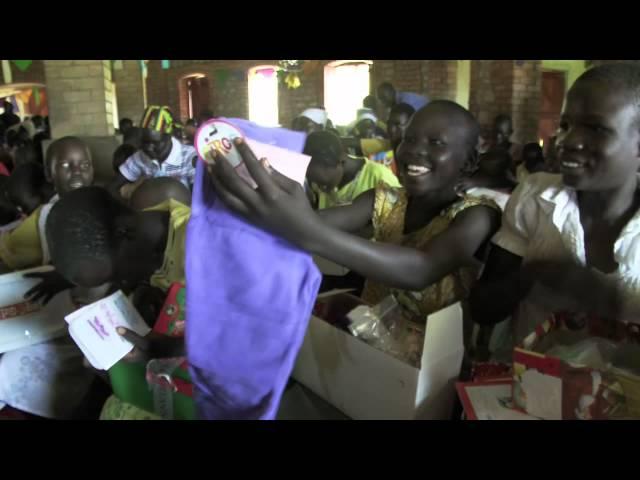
x,y
411,197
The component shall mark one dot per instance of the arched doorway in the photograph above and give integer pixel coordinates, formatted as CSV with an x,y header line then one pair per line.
x,y
194,95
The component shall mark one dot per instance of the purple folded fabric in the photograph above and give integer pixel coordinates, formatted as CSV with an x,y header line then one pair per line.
x,y
249,298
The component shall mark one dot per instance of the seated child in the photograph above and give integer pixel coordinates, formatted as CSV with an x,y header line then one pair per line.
x,y
399,118
60,387
337,178
501,139
428,240
161,155
493,173
366,124
68,166
95,239
125,125
311,120
569,242
532,161
371,102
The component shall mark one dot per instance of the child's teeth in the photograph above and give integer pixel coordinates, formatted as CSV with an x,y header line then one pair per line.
x,y
417,170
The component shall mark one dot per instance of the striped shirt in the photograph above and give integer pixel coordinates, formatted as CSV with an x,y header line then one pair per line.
x,y
178,165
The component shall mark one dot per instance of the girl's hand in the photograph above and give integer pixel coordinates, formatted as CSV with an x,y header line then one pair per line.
x,y
278,204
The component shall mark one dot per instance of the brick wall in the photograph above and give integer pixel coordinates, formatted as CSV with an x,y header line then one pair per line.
x,y
80,94
440,78
129,90
435,78
507,87
527,88
230,99
497,86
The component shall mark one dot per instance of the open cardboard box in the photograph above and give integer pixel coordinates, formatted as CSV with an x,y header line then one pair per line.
x,y
547,387
368,384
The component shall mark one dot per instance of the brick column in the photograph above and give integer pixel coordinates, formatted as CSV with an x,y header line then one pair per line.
x,y
130,91
527,95
507,87
440,79
80,97
435,78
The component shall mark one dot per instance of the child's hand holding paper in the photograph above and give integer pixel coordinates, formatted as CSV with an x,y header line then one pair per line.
x,y
153,345
93,328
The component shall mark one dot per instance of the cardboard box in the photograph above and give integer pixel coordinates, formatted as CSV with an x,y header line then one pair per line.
x,y
25,323
327,267
368,384
489,400
547,387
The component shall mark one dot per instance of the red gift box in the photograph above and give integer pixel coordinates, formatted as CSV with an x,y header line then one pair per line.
x,y
548,387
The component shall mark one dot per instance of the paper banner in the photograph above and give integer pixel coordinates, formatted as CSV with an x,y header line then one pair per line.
x,y
165,64
266,72
22,65
6,71
221,77
36,96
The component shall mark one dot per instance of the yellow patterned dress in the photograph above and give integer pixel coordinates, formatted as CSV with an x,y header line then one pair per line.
x,y
388,221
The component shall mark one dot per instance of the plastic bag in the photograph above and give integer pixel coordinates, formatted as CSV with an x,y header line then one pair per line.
x,y
592,352
599,353
385,328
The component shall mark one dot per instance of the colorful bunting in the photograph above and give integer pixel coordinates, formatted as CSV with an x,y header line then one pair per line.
x,y
22,65
266,72
221,77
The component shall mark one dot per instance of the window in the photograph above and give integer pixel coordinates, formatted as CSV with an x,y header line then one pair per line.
x,y
346,83
263,95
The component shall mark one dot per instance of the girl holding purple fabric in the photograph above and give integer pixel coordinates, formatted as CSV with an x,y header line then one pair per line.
x,y
429,239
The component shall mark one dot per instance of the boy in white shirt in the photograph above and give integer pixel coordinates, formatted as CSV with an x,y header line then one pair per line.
x,y
161,155
569,242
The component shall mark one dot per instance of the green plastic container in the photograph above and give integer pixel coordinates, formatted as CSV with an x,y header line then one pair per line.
x,y
129,384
